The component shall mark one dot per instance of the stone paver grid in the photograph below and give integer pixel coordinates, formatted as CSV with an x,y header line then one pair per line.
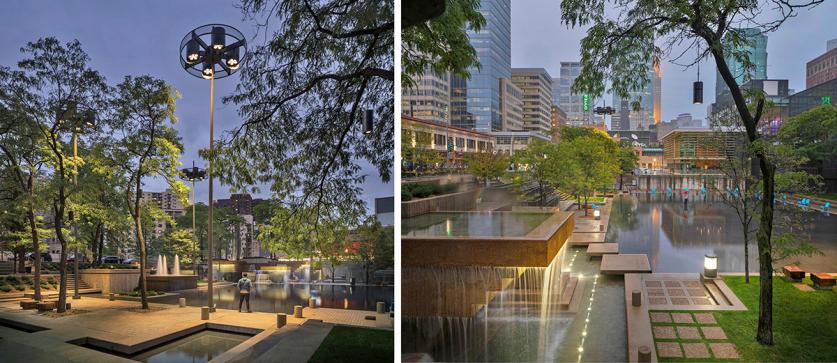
x,y
713,332
669,350
672,283
664,332
705,318
688,332
697,292
724,350
682,318
653,284
695,350
680,301
656,292
660,317
691,283
701,301
676,292
657,300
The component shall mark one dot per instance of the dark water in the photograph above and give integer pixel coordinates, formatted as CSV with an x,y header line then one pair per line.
x,y
196,348
281,298
676,237
463,224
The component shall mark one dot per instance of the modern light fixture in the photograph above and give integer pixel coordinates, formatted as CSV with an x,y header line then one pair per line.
x,y
710,266
597,214
212,60
367,124
697,87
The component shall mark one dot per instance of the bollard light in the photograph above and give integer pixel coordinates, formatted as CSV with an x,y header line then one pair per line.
x,y
710,266
597,214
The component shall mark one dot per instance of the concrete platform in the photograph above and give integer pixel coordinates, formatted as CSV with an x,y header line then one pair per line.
x,y
581,239
601,249
621,264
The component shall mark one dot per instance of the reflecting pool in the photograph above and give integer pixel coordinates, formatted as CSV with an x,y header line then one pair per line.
x,y
464,224
281,298
196,348
676,236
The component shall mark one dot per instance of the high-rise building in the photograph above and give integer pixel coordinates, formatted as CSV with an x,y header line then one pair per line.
x,y
641,108
823,68
475,102
658,92
556,91
537,98
511,103
429,99
579,107
168,203
756,48
244,242
559,120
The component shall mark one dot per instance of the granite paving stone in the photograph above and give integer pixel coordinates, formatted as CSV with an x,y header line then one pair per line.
x,y
688,332
682,318
669,350
664,332
658,317
705,318
713,332
695,350
724,350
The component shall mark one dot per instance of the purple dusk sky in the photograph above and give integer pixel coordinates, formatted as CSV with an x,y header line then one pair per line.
x,y
142,37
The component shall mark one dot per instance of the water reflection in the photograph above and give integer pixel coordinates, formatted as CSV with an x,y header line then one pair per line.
x,y
197,348
281,298
676,238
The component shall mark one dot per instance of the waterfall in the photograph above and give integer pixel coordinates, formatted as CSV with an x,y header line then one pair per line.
x,y
175,270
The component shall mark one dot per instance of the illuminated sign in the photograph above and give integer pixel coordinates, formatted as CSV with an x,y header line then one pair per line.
x,y
586,103
826,100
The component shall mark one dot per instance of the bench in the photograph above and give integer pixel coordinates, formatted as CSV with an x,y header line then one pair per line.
x,y
567,294
45,306
28,305
822,280
793,273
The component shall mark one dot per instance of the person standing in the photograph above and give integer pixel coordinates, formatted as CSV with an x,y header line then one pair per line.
x,y
244,286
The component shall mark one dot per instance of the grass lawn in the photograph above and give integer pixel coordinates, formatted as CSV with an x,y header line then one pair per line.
x,y
829,196
804,324
349,344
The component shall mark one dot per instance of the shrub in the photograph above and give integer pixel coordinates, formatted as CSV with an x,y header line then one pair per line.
x,y
11,279
406,195
5,288
19,287
424,190
51,280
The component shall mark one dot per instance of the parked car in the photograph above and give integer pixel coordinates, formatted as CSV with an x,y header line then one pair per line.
x,y
132,261
111,259
45,257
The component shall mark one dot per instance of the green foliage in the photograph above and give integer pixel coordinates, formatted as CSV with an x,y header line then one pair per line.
x,y
19,287
424,190
535,164
302,97
179,241
442,44
813,134
224,220
416,152
5,288
485,166
585,165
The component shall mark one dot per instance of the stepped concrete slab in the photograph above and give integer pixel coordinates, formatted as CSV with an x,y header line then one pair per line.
x,y
600,249
621,264
580,239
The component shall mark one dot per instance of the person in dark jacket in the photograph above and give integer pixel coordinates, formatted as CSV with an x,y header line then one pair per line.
x,y
244,286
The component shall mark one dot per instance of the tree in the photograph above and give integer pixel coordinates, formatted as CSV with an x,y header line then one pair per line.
x,y
416,152
486,165
535,163
814,134
147,147
619,51
585,165
221,234
627,158
439,44
50,86
22,163
374,246
302,98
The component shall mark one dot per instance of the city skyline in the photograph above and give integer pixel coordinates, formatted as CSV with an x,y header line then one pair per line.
x,y
539,39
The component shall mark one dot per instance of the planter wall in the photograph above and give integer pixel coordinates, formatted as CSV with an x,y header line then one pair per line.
x,y
111,280
171,282
449,202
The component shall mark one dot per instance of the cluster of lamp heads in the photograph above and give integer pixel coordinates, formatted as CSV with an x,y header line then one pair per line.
x,y
228,55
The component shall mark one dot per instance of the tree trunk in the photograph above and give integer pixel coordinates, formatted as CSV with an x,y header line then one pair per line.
x,y
764,334
746,254
62,269
36,265
143,253
101,242
21,260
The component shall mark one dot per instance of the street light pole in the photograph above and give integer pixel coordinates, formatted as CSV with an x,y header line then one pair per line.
x,y
76,295
218,59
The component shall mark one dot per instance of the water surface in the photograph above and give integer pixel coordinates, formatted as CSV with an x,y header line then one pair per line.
x,y
196,348
475,224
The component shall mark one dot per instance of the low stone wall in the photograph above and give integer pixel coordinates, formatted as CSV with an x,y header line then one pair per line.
x,y
171,282
466,200
111,280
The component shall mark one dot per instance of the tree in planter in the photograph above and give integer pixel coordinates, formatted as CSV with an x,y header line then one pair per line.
x,y
486,165
534,164
585,165
147,147
416,150
50,86
627,158
619,51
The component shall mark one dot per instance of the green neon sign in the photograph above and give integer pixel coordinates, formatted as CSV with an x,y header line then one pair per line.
x,y
586,99
826,100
